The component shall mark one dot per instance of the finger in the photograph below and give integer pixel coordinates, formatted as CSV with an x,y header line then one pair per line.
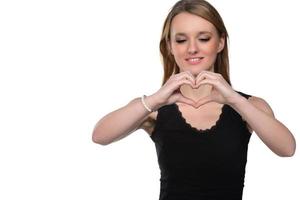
x,y
207,74
207,82
199,79
204,77
185,100
183,76
216,75
183,81
203,101
175,86
201,73
190,73
189,76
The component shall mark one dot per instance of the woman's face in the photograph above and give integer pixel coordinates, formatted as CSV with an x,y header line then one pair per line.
x,y
194,43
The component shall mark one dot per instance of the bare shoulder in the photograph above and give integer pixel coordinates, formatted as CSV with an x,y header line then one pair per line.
x,y
261,104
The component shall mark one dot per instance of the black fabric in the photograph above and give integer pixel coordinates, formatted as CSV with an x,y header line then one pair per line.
x,y
201,164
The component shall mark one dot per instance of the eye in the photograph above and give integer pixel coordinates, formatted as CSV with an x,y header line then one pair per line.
x,y
204,39
180,41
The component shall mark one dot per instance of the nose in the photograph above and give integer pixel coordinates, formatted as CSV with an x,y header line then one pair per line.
x,y
192,48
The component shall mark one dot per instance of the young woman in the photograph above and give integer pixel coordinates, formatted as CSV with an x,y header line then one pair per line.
x,y
200,125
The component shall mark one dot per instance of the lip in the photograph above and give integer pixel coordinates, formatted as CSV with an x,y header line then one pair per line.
x,y
194,62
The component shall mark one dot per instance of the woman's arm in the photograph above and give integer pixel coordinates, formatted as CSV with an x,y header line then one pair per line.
x,y
255,111
123,121
127,119
260,117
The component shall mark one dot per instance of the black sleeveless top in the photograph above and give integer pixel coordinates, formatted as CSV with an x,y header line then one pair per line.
x,y
201,164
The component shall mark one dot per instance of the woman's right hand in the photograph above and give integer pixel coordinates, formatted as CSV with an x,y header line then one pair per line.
x,y
170,93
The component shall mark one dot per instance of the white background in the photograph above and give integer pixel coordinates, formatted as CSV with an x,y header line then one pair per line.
x,y
66,64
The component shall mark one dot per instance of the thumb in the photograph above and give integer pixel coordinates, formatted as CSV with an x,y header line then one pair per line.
x,y
203,100
186,100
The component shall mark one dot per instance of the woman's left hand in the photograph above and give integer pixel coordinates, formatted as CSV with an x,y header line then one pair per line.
x,y
221,91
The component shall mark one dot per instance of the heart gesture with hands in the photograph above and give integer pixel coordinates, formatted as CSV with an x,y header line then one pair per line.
x,y
206,82
221,91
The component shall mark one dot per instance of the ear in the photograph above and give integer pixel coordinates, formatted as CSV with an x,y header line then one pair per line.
x,y
221,43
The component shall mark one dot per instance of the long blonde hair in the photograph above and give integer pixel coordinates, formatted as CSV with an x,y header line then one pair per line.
x,y
202,9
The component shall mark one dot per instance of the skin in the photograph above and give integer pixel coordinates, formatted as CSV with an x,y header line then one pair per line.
x,y
187,40
193,36
255,111
205,111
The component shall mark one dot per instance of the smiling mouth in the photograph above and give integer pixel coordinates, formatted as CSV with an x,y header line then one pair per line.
x,y
196,60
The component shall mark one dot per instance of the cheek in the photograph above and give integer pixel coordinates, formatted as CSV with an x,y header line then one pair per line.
x,y
210,49
179,54
179,51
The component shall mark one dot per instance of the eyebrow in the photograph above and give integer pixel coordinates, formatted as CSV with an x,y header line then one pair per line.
x,y
200,33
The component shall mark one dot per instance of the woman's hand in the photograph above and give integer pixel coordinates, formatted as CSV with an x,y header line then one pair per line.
x,y
221,91
169,93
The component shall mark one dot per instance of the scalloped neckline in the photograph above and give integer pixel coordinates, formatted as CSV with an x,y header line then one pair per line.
x,y
202,131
